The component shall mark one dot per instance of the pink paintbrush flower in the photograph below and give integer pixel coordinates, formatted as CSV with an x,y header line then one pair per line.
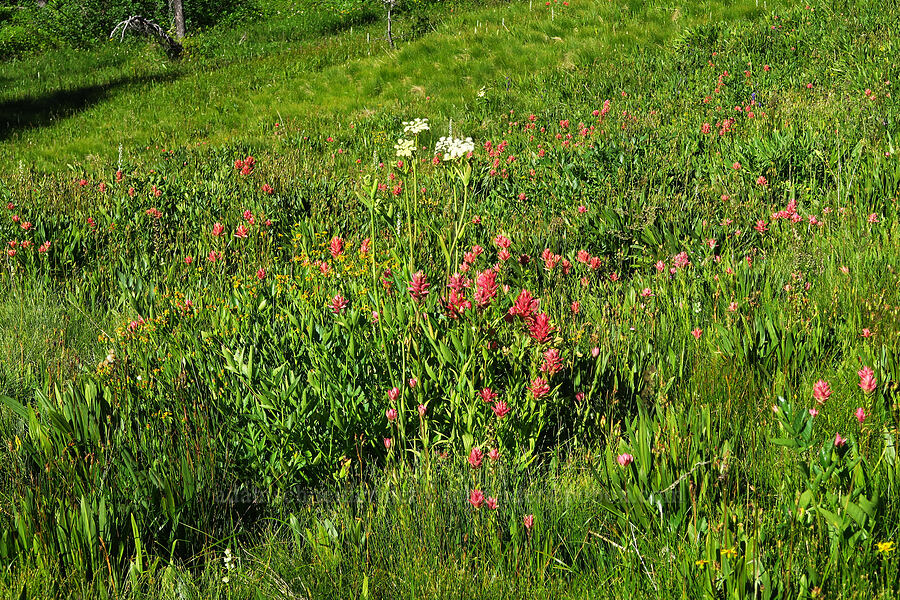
x,y
539,388
867,382
501,409
821,391
336,246
476,456
418,287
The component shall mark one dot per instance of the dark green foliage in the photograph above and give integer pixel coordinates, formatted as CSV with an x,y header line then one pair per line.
x,y
81,23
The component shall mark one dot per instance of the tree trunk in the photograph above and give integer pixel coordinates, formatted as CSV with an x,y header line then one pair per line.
x,y
390,5
178,9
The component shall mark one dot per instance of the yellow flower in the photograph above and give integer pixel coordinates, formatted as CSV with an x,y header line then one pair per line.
x,y
729,552
701,563
885,547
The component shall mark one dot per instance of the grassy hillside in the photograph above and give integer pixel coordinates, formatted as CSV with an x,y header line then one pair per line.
x,y
262,335
319,74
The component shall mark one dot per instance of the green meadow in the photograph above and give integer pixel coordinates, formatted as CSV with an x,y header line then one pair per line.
x,y
549,300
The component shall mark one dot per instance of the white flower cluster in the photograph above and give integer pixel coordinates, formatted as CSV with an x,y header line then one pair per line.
x,y
404,147
229,560
453,148
415,126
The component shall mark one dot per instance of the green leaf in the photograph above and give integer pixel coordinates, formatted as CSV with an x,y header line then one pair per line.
x,y
16,407
832,519
789,443
138,549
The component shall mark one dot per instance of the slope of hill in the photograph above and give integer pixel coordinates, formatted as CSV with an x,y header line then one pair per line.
x,y
319,71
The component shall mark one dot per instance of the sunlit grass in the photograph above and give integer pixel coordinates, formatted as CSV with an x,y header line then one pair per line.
x,y
223,92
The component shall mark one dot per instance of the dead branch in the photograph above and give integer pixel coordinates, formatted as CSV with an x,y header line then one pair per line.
x,y
146,27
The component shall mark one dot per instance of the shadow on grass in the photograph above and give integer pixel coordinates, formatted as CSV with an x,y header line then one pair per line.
x,y
32,111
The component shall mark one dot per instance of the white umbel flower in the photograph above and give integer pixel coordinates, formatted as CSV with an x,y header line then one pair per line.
x,y
453,148
229,560
404,147
415,126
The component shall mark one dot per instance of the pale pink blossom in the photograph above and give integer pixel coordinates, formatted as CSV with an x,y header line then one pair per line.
x,y
624,459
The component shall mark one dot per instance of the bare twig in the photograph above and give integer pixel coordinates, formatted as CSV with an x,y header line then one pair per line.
x,y
641,558
607,540
88,317
683,477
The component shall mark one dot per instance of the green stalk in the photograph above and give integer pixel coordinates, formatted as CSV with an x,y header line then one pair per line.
x,y
375,282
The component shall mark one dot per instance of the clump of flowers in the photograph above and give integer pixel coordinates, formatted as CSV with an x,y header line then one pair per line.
x,y
501,409
245,166
336,247
338,304
452,148
404,148
485,288
552,362
539,328
415,126
487,395
524,306
476,456
681,260
228,560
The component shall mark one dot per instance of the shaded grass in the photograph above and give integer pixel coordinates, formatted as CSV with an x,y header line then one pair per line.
x,y
43,340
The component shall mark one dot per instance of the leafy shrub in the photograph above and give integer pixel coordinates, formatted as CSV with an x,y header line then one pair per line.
x,y
84,22
17,41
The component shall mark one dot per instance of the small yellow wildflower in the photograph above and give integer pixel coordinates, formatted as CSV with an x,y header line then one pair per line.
x,y
729,552
701,563
885,547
